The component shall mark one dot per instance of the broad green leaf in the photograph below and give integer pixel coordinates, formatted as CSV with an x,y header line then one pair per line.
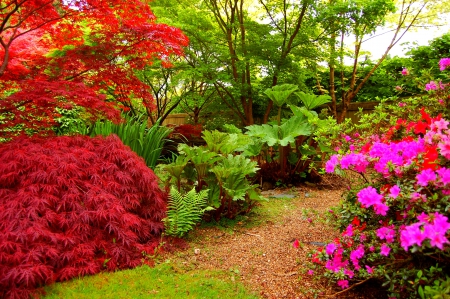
x,y
280,93
312,101
267,133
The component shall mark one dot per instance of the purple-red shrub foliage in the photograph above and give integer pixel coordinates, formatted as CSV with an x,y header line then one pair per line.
x,y
187,131
73,206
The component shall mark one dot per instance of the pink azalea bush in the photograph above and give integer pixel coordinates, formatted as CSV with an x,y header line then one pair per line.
x,y
395,221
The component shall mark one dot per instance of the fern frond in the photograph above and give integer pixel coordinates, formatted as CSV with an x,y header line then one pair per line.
x,y
184,211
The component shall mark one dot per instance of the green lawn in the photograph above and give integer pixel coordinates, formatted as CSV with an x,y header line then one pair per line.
x,y
162,281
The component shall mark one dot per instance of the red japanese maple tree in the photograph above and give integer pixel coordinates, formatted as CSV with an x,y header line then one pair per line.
x,y
73,206
54,53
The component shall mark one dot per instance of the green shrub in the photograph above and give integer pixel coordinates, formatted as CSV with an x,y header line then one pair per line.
x,y
215,167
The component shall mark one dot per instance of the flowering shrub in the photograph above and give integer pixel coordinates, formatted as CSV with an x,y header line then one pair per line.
x,y
395,221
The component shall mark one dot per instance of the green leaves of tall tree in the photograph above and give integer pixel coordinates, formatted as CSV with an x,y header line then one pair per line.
x,y
231,17
287,20
191,85
360,19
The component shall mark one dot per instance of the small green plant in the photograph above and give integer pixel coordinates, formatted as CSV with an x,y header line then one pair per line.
x,y
134,132
184,211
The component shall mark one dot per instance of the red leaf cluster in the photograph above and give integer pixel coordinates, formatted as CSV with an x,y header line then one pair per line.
x,y
72,206
77,52
187,131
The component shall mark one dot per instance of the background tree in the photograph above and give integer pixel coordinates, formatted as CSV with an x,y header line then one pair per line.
x,y
94,49
361,19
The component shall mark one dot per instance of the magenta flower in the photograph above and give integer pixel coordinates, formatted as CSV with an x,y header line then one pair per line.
x,y
369,197
330,248
401,104
424,218
436,236
444,146
356,254
349,273
310,272
405,72
343,284
380,209
386,233
425,176
336,264
412,235
296,244
349,231
431,86
362,238
394,191
369,269
384,250
444,63
331,164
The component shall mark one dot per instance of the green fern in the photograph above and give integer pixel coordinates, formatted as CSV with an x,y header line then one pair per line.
x,y
184,211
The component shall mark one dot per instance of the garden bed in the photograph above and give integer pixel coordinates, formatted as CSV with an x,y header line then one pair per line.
x,y
259,249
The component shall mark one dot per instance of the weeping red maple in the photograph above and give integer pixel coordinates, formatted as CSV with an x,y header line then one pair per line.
x,y
72,206
83,53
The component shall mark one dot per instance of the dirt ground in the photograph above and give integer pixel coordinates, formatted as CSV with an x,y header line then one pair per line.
x,y
263,256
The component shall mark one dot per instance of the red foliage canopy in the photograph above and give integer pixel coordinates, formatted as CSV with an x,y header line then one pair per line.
x,y
95,45
73,206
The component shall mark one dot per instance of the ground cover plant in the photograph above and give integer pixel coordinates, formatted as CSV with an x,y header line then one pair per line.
x,y
395,219
73,206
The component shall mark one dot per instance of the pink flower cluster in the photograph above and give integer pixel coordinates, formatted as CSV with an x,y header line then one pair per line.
x,y
395,155
357,161
385,157
430,227
444,63
433,86
337,263
369,197
386,233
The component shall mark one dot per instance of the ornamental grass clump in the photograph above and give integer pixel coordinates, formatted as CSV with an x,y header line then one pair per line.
x,y
73,206
395,221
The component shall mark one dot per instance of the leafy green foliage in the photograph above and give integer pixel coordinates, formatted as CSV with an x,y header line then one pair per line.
x,y
301,141
184,211
146,142
440,289
312,101
216,168
281,135
279,94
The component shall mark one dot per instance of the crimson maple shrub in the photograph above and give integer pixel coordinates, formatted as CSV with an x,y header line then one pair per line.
x,y
187,131
73,206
